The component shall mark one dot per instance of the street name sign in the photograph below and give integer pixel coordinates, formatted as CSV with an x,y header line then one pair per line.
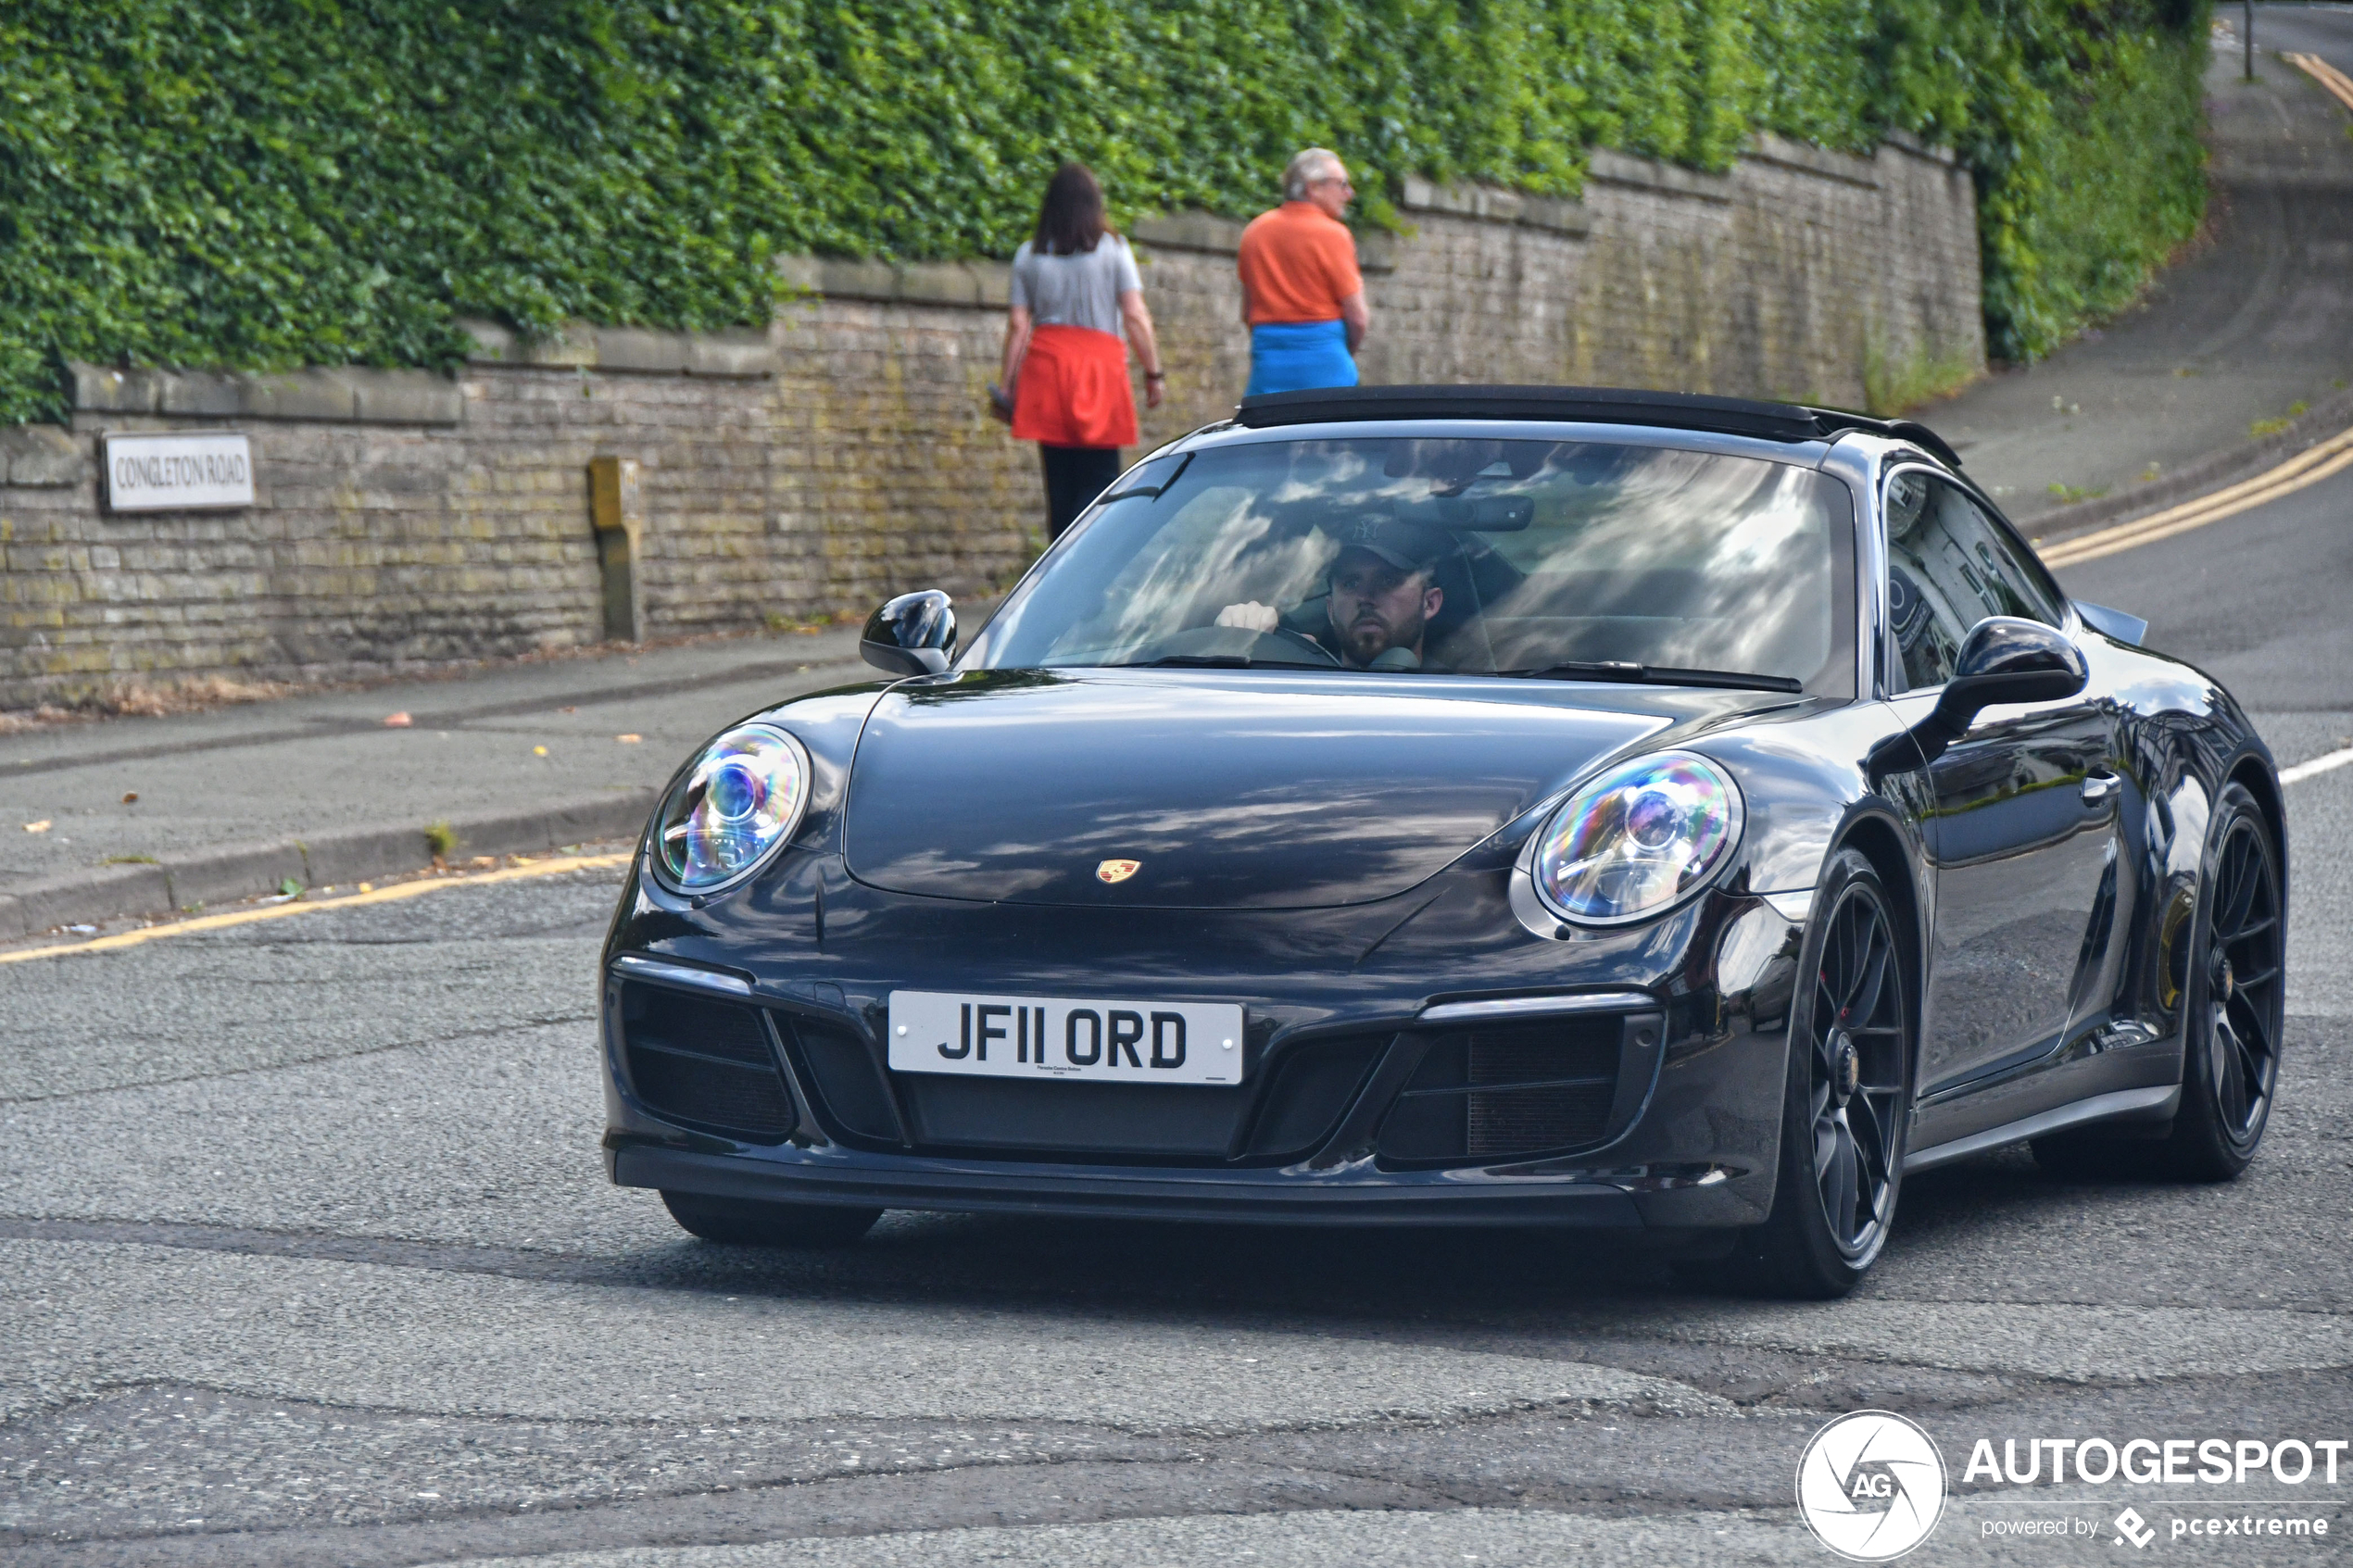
x,y
183,471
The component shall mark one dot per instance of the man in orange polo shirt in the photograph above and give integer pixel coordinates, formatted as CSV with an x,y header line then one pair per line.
x,y
1302,293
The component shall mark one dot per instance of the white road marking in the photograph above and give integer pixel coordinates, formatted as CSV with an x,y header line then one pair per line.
x,y
2321,764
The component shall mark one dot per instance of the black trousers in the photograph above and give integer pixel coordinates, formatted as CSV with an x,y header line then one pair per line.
x,y
1074,476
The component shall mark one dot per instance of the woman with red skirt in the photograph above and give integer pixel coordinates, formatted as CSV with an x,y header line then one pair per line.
x,y
1075,287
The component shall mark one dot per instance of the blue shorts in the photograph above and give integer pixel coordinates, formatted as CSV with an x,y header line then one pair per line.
x,y
1294,356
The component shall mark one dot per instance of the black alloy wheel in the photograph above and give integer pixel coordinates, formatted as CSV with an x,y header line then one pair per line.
x,y
1855,1074
2234,1001
745,1222
2228,972
1849,1095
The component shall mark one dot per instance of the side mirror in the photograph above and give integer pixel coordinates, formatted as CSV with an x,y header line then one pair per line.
x,y
2004,659
912,635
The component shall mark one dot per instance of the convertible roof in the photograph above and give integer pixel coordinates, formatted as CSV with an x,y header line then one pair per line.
x,y
1591,405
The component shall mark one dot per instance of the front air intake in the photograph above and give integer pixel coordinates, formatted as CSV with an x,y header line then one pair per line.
x,y
1533,1088
703,1062
1517,1090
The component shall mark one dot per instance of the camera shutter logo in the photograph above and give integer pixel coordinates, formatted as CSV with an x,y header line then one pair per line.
x,y
1870,1486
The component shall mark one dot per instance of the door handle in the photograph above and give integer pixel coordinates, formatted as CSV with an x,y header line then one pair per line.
x,y
2100,786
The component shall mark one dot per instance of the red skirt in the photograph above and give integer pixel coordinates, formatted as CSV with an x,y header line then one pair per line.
x,y
1074,390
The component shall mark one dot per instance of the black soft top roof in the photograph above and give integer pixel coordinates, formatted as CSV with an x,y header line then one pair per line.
x,y
1591,405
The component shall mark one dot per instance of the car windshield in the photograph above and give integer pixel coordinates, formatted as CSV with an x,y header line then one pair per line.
x,y
1581,559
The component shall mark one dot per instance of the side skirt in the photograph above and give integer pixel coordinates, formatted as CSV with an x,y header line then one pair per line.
x,y
2153,1104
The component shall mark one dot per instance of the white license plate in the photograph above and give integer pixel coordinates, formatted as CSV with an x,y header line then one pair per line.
x,y
1103,1042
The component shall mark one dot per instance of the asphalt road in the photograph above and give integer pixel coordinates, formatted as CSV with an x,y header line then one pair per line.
x,y
2254,320
308,1257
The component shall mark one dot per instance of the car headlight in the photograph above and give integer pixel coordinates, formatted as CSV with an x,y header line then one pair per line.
x,y
1635,841
743,796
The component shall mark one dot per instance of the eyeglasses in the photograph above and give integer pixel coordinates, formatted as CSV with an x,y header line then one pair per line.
x,y
1341,180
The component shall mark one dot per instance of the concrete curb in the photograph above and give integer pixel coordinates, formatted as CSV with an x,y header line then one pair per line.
x,y
2195,478
245,870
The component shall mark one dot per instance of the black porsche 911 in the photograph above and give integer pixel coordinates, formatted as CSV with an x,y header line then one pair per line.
x,y
1431,805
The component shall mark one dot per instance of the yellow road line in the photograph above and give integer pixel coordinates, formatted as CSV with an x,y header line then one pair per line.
x,y
387,895
2335,81
2308,467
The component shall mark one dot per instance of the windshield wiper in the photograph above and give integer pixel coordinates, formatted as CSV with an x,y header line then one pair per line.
x,y
1659,675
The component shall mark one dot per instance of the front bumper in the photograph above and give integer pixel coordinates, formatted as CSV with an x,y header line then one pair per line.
x,y
1688,1137
948,1186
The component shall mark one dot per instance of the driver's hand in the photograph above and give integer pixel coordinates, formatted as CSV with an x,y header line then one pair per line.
x,y
1252,616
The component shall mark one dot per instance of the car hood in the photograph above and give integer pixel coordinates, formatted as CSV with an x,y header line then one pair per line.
x,y
1244,790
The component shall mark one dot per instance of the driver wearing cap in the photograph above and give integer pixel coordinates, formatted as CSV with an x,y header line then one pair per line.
x,y
1384,594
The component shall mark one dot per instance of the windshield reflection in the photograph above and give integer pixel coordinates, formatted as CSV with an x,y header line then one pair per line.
x,y
1451,555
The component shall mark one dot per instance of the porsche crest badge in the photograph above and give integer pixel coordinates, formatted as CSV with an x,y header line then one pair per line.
x,y
1117,870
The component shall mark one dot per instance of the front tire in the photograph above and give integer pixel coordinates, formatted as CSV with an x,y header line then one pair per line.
x,y
1849,1099
744,1222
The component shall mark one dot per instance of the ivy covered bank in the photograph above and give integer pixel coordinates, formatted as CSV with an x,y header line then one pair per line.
x,y
266,183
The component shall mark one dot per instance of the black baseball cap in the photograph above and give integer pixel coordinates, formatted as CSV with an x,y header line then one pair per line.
x,y
1406,546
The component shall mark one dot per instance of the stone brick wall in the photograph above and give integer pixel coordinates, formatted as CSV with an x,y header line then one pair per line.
x,y
404,521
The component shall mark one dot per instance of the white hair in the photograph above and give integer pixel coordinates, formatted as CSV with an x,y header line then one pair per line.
x,y
1307,167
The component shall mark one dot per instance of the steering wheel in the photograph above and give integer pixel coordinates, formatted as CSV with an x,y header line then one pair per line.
x,y
1283,647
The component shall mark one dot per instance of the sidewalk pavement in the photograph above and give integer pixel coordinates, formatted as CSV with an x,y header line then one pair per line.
x,y
520,759
2164,403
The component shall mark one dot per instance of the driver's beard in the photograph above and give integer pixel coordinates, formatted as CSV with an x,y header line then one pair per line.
x,y
1368,640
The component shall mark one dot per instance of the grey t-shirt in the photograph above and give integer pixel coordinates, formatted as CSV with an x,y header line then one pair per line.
x,y
1075,291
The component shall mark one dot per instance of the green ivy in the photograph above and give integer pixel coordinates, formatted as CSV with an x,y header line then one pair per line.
x,y
264,183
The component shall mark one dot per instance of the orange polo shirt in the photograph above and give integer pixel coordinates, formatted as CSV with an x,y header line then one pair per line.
x,y
1297,265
